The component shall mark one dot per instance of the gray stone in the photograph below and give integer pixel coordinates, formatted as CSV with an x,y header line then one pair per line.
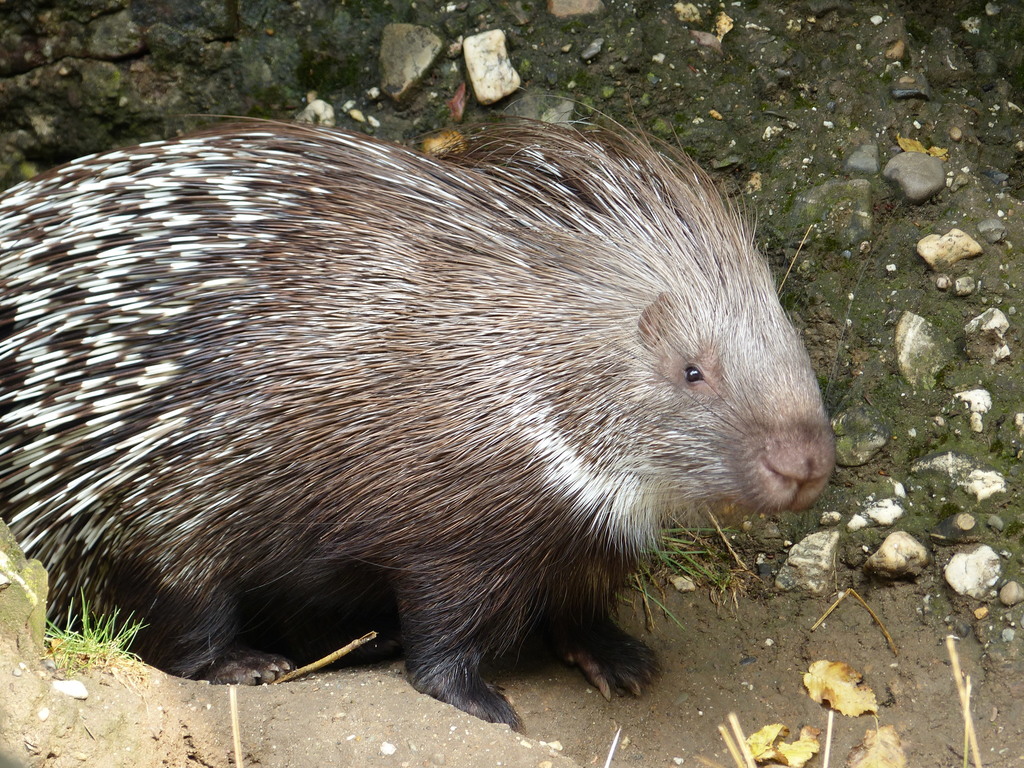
x,y
407,52
993,230
841,208
863,159
919,176
810,565
920,350
861,432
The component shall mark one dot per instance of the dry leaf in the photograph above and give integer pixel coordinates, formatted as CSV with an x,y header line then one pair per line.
x,y
913,145
794,754
837,683
880,749
723,24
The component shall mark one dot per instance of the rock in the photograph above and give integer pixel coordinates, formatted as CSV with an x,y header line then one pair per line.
x,y
23,589
317,112
490,70
407,52
919,176
979,402
943,251
683,584
883,512
964,285
74,688
900,556
993,230
960,527
592,49
1011,594
963,471
911,86
986,336
549,107
810,565
861,433
838,207
863,159
920,352
973,573
565,8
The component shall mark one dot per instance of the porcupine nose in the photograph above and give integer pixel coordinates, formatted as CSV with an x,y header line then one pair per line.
x,y
796,465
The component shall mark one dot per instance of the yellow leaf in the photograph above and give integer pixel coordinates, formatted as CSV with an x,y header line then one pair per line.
x,y
763,741
838,684
910,145
879,749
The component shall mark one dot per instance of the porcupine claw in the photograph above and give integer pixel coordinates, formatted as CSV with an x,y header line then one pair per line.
x,y
608,657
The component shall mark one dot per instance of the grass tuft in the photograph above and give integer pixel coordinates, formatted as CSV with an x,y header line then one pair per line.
x,y
99,642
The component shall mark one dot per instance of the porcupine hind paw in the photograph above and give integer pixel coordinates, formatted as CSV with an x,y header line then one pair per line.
x,y
463,687
242,665
609,658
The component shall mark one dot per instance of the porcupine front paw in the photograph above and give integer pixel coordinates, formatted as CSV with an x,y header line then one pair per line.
x,y
242,665
608,657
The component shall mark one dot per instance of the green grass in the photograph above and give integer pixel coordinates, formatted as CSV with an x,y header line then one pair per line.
x,y
99,641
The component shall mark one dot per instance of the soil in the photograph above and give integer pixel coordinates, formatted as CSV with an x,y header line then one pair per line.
x,y
797,88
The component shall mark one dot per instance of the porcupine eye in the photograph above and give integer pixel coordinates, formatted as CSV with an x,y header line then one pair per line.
x,y
692,374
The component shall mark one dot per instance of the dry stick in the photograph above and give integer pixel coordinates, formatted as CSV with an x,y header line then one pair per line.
x,y
736,743
329,659
721,535
878,621
963,687
792,261
236,734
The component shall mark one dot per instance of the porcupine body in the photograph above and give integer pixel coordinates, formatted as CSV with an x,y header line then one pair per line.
x,y
268,387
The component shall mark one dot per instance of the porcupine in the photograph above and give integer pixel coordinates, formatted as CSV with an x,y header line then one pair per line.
x,y
269,386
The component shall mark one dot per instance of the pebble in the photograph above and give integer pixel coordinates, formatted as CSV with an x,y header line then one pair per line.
x,y
317,112
993,230
387,748
920,351
407,52
863,159
564,8
74,688
911,86
592,49
810,565
958,527
683,584
883,513
964,471
861,433
686,13
1011,594
900,556
943,251
973,573
986,336
919,176
979,402
489,67
839,207
964,285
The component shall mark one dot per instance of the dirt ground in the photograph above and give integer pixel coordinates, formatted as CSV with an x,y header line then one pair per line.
x,y
744,651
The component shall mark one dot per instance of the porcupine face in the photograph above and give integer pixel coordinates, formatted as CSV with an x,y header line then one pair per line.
x,y
261,367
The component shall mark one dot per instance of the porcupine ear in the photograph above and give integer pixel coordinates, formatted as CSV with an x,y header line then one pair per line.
x,y
654,322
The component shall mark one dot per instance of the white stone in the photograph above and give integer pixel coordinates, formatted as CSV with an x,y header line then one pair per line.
x,y
899,556
490,70
986,336
387,748
984,483
317,112
811,564
973,573
920,352
74,688
683,584
883,512
942,251
978,400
